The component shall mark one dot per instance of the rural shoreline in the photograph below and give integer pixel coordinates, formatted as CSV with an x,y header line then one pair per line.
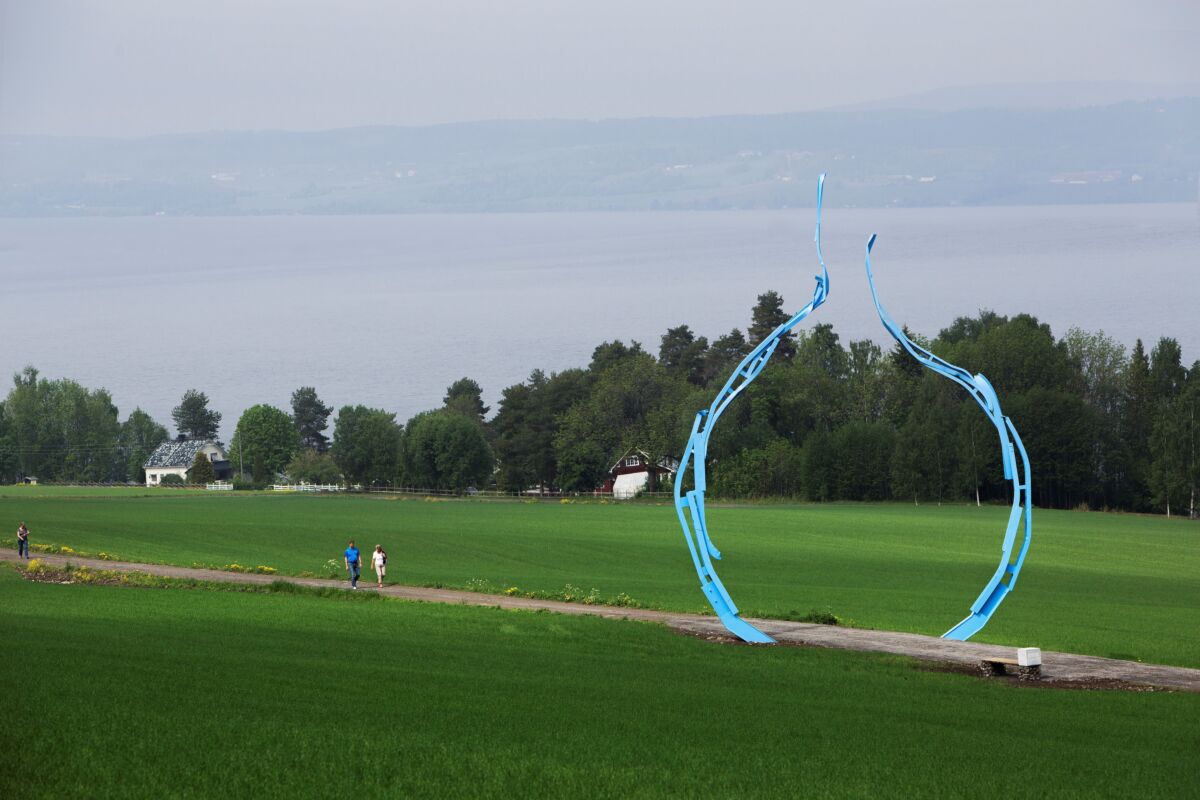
x,y
1058,669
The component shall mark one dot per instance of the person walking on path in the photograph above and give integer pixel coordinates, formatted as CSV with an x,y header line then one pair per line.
x,y
22,541
379,564
353,564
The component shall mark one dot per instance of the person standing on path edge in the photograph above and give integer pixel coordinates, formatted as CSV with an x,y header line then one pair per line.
x,y
353,564
22,541
379,564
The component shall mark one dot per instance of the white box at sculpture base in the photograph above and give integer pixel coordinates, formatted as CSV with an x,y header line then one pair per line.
x,y
1029,656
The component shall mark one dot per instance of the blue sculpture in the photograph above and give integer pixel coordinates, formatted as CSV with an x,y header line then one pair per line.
x,y
981,390
690,506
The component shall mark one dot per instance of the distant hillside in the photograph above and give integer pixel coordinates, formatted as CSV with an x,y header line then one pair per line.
x,y
1131,152
1028,95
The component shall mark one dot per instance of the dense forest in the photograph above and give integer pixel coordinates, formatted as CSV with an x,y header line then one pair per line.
x,y
1105,428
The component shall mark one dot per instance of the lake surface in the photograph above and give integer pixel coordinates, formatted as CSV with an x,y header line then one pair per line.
x,y
389,310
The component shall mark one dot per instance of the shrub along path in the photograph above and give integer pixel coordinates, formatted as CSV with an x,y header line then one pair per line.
x,y
1061,668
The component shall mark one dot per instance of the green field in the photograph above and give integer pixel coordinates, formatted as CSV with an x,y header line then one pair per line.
x,y
123,692
1123,586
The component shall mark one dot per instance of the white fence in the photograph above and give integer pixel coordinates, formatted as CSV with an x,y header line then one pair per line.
x,y
481,494
307,487
529,494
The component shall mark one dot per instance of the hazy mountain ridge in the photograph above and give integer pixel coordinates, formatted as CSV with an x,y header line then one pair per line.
x,y
1130,152
1030,95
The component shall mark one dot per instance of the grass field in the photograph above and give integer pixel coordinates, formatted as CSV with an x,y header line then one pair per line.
x,y
1123,586
121,692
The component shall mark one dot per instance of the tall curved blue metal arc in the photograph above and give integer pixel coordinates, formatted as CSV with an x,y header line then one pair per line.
x,y
1021,515
690,505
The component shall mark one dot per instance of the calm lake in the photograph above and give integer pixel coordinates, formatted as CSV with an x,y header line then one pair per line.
x,y
389,310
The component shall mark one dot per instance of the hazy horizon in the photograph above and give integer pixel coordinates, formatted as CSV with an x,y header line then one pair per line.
x,y
358,305
133,68
1023,96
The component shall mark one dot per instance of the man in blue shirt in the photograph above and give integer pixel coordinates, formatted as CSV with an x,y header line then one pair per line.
x,y
353,564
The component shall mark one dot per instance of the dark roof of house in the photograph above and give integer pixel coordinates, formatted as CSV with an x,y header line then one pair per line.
x,y
667,463
178,454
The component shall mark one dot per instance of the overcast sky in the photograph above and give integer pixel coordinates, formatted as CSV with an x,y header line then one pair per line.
x,y
130,67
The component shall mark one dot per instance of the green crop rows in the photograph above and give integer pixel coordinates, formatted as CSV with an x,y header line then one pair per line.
x,y
129,692
1124,586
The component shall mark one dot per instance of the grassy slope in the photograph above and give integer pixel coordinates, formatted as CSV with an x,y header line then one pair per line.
x,y
155,693
1114,585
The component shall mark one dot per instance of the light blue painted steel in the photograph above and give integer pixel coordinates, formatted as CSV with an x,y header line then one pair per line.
x,y
1021,515
690,505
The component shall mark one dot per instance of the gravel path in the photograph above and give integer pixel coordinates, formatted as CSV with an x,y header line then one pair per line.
x,y
1060,668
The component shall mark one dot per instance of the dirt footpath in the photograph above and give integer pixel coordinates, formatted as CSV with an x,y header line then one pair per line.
x,y
1064,669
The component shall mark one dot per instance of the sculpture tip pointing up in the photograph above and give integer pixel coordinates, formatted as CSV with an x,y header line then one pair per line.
x,y
689,506
1021,515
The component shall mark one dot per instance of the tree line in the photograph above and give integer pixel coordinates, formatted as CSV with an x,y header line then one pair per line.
x,y
1104,427
58,430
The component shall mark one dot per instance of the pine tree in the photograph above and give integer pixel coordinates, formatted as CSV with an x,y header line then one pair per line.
x,y
724,354
1169,435
1169,446
193,418
465,397
682,353
768,314
1136,421
311,418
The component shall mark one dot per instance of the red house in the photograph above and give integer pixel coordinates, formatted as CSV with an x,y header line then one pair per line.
x,y
631,474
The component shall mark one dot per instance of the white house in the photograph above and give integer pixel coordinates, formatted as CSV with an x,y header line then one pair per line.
x,y
176,458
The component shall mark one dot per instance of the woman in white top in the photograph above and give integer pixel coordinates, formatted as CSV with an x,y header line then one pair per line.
x,y
379,564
